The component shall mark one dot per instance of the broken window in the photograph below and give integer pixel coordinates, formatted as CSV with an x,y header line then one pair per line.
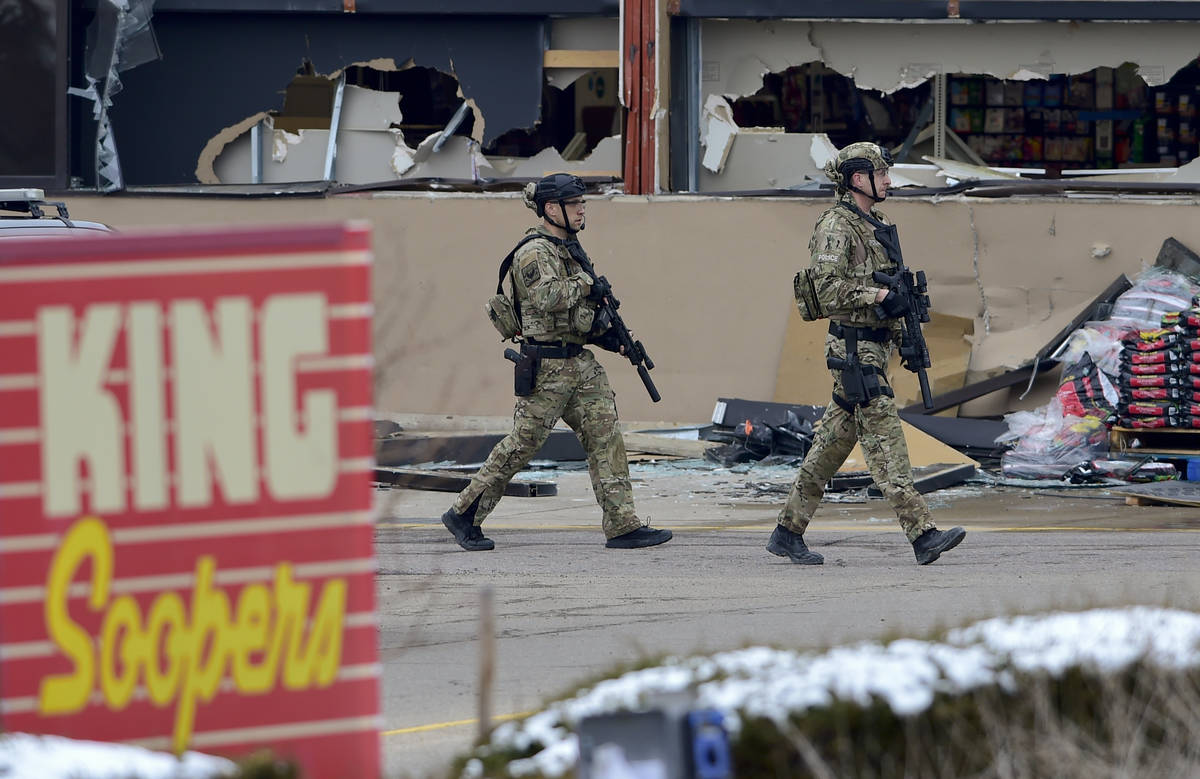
x,y
1103,118
813,98
428,99
573,120
413,123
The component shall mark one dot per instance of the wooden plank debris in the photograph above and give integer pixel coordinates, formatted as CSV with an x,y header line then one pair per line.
x,y
1176,493
648,443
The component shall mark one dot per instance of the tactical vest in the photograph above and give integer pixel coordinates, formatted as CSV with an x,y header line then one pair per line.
x,y
571,325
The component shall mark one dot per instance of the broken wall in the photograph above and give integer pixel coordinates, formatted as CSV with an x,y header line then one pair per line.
x,y
218,69
890,56
704,282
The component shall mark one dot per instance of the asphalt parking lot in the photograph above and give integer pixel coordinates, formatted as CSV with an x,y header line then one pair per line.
x,y
567,609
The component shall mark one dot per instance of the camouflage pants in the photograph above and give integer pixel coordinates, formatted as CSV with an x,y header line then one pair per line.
x,y
877,428
577,391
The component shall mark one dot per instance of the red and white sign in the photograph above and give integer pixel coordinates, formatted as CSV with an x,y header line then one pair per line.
x,y
185,466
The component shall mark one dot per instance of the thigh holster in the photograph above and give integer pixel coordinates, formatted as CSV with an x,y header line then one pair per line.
x,y
860,383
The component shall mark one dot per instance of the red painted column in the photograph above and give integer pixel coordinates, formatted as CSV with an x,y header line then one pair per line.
x,y
632,92
649,88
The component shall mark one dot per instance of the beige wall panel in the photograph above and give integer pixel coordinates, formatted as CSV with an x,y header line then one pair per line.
x,y
704,282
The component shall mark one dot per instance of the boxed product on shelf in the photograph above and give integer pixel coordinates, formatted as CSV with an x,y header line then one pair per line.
x,y
1032,94
993,121
1014,92
994,92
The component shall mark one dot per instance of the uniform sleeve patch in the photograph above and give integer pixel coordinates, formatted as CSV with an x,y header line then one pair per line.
x,y
530,272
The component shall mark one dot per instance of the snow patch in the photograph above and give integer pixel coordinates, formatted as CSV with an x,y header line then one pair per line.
x,y
906,674
25,756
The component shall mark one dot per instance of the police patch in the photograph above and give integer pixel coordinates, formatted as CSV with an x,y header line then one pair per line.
x,y
530,273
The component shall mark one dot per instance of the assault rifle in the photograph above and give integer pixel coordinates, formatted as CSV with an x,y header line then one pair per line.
x,y
912,287
633,350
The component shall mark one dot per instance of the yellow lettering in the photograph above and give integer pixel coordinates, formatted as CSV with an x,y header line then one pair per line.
x,y
166,619
123,618
253,621
183,654
88,538
210,611
325,641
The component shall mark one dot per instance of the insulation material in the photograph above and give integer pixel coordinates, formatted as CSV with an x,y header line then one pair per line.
x,y
280,140
887,57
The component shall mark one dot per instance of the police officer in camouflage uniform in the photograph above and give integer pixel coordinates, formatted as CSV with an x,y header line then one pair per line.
x,y
557,302
864,320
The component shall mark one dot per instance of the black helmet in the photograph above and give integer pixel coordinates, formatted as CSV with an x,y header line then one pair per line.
x,y
556,187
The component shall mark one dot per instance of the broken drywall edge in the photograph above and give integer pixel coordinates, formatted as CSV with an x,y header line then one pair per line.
x,y
956,171
737,53
821,150
561,78
369,109
1188,173
280,140
766,161
458,158
205,172
911,174
604,160
402,157
718,132
995,352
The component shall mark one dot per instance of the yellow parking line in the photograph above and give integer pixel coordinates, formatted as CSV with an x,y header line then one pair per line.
x,y
452,724
881,527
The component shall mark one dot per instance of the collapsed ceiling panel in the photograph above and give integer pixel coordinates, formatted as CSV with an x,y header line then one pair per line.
x,y
887,57
230,66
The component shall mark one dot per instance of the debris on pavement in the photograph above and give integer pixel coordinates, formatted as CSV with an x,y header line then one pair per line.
x,y
441,481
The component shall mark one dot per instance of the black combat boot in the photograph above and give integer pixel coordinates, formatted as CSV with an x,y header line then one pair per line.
x,y
930,544
636,539
785,543
465,532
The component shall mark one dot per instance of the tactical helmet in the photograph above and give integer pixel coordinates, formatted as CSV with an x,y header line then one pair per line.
x,y
556,187
862,156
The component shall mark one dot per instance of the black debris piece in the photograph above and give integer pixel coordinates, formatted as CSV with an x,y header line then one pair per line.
x,y
561,445
1175,256
414,479
756,439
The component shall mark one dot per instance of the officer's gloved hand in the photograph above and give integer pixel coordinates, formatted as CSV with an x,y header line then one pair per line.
x,y
607,340
894,305
600,289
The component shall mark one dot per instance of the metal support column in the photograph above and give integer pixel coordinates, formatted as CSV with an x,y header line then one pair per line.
x,y
334,119
939,114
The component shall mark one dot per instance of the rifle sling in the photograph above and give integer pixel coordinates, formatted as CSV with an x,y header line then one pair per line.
x,y
506,268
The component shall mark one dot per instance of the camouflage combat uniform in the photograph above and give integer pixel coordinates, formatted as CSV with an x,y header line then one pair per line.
x,y
845,253
551,288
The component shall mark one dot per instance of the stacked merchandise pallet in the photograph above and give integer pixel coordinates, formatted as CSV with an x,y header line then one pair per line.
x,y
1160,374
